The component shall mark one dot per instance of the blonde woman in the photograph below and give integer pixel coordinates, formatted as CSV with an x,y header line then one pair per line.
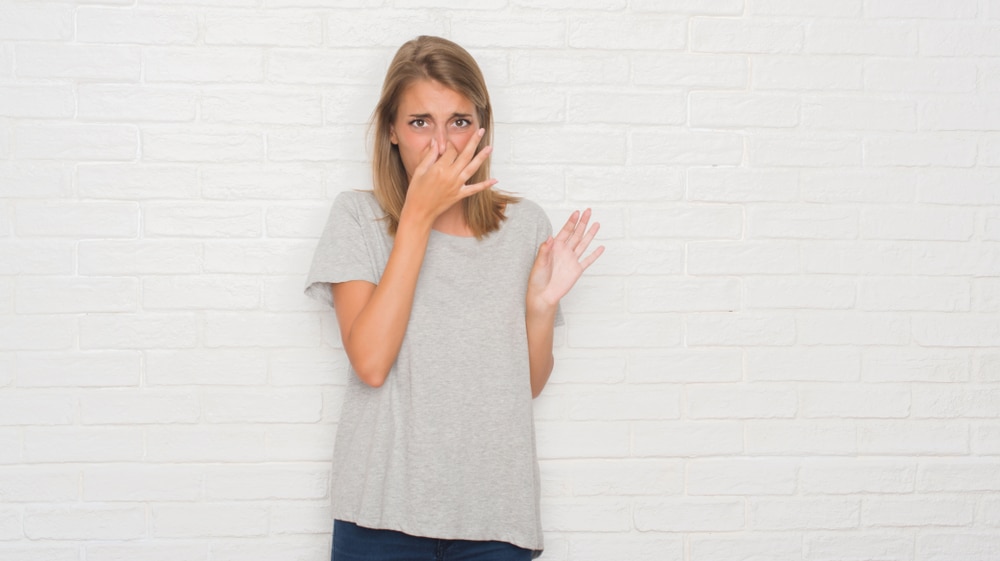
x,y
446,293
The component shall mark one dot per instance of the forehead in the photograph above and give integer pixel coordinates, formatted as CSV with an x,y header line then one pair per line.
x,y
430,96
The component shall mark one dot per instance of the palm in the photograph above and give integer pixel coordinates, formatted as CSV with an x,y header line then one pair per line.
x,y
560,261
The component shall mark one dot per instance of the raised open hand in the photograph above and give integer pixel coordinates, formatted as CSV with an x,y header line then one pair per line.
x,y
439,181
560,261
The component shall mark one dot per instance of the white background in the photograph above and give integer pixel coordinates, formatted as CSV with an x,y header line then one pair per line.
x,y
789,351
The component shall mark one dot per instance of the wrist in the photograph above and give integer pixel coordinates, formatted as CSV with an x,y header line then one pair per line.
x,y
537,307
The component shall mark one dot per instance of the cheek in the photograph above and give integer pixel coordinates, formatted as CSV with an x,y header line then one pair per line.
x,y
461,139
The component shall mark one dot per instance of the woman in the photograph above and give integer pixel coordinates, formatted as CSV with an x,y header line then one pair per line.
x,y
446,294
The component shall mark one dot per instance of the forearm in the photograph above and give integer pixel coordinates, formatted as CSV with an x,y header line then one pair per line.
x,y
540,324
375,336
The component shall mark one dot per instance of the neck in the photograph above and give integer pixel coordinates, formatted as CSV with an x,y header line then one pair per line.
x,y
452,222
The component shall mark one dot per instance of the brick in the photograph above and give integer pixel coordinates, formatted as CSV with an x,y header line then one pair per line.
x,y
648,330
205,443
10,446
272,181
36,257
147,27
956,258
702,70
251,106
7,61
115,407
560,67
802,221
629,546
297,368
88,444
686,439
78,369
201,221
35,180
741,258
302,66
901,9
85,522
817,293
101,220
956,330
51,295
147,551
582,439
986,368
38,102
879,258
568,145
266,483
686,148
272,549
76,142
960,113
587,515
941,149
923,512
796,438
690,515
107,63
209,367
619,402
20,333
630,183
842,328
40,553
865,38
774,547
136,182
821,8
706,7
932,401
586,478
963,546
687,222
38,484
689,365
625,107
110,331
300,221
740,401
641,32
595,294
917,294
7,369
142,483
741,476
375,29
24,21
301,519
215,64
208,521
856,113
958,187
132,103
833,476
803,364
301,443
740,110
855,401
205,146
807,72
201,292
248,406
261,330
668,294
741,185
583,366
145,257
986,440
316,145
920,75
353,104
721,35
986,295
10,524
266,257
804,514
959,475
858,186
909,437
797,151
737,329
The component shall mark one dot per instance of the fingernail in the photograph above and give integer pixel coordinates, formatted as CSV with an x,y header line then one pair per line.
x,y
481,132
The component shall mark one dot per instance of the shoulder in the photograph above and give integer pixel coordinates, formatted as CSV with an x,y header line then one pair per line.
x,y
526,211
358,202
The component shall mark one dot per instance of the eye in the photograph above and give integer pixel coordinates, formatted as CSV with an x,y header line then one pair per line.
x,y
418,123
462,123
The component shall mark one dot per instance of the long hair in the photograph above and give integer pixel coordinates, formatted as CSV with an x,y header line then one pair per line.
x,y
441,60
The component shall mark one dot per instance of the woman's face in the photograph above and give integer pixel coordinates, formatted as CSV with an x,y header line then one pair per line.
x,y
430,110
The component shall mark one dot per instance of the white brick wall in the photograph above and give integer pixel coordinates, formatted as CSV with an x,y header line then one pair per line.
x,y
790,351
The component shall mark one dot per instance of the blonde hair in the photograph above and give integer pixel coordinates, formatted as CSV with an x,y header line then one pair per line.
x,y
441,60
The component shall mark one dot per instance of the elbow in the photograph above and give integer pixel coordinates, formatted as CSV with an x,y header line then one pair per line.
x,y
373,377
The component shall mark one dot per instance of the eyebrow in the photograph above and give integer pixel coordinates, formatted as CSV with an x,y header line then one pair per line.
x,y
428,115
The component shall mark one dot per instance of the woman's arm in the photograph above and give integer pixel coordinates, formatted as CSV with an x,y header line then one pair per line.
x,y
558,266
373,318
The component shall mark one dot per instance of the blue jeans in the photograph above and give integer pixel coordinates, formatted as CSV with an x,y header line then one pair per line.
x,y
355,543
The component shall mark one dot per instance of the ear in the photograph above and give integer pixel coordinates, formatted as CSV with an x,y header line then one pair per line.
x,y
392,134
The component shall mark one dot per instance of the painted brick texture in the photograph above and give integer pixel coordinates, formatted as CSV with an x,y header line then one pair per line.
x,y
790,350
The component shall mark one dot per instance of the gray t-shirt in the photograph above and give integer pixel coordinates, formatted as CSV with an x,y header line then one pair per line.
x,y
446,447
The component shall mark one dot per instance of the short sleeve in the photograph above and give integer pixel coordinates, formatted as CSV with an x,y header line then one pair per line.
x,y
342,252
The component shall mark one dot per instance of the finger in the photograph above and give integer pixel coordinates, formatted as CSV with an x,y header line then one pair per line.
x,y
468,190
589,260
429,158
567,229
470,147
580,229
470,169
585,242
450,153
